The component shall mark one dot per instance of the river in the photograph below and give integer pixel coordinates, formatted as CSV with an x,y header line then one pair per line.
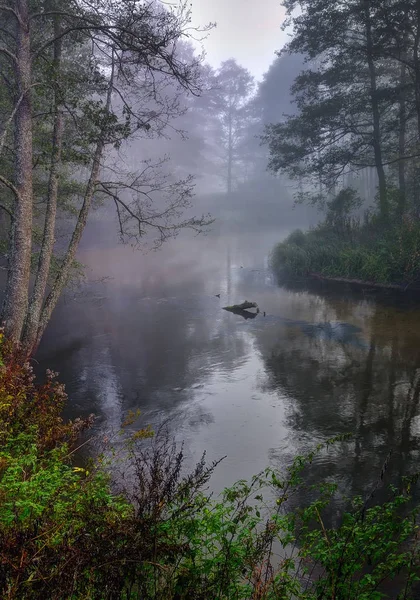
x,y
322,361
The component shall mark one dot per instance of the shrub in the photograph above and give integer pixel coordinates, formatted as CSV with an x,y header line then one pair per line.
x,y
290,259
366,251
66,533
297,238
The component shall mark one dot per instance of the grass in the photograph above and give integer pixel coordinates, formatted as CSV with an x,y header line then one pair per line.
x,y
354,250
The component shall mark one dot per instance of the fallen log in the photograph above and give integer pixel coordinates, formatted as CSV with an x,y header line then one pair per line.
x,y
243,309
244,306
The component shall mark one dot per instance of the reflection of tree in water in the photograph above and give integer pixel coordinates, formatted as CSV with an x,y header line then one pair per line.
x,y
169,345
155,343
335,387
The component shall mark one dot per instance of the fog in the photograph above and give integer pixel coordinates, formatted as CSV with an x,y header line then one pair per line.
x,y
184,222
210,228
143,328
208,146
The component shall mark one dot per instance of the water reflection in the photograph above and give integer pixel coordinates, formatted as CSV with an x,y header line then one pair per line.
x,y
365,381
320,362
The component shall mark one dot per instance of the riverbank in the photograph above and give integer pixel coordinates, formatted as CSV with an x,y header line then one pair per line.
x,y
366,284
367,254
66,532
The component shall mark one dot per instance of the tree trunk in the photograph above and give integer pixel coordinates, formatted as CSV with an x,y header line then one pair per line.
x,y
383,193
230,153
64,272
47,246
16,293
320,190
416,61
401,143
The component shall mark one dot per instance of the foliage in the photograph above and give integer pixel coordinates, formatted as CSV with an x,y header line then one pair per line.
x,y
356,107
346,246
67,532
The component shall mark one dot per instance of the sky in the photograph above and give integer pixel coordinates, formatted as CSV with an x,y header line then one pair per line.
x,y
247,30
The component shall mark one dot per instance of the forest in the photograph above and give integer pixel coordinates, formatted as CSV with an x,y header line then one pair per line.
x,y
352,145
111,117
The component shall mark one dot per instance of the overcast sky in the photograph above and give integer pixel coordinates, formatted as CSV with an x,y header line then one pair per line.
x,y
248,30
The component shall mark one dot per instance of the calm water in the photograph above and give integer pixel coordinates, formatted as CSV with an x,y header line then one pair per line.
x,y
321,362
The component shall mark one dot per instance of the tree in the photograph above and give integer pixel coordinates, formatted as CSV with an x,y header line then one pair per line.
x,y
353,102
271,103
230,104
190,140
81,80
218,127
274,96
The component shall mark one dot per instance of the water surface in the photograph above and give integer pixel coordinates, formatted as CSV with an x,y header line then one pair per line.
x,y
323,361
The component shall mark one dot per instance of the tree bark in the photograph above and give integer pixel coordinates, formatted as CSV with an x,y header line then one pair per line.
x,y
401,142
416,61
383,192
16,293
47,246
230,152
64,273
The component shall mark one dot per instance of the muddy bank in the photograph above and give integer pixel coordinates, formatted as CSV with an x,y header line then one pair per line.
x,y
412,287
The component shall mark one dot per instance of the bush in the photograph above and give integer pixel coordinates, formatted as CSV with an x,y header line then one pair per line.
x,y
367,252
297,238
65,532
290,259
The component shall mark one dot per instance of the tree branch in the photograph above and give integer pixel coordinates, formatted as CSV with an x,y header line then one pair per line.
x,y
9,212
166,222
118,200
131,41
8,123
117,206
10,185
12,11
9,54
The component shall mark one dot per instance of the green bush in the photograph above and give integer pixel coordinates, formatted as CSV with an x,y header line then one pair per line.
x,y
297,238
65,533
290,259
368,252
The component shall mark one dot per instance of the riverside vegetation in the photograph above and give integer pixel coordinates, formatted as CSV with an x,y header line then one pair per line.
x,y
68,531
349,246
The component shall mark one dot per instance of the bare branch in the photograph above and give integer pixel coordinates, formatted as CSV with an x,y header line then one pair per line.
x,y
10,185
117,206
168,221
118,201
9,122
9,212
10,10
9,54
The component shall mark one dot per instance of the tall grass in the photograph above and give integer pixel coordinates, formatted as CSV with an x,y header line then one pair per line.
x,y
356,250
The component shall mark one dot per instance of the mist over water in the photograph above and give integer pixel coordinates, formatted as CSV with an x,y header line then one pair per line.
x,y
148,331
154,337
